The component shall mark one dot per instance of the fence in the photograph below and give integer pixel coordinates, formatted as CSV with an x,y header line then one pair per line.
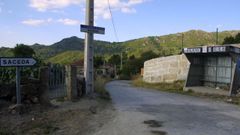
x,y
57,84
58,81
65,81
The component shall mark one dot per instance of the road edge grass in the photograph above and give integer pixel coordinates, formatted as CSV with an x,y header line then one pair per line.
x,y
99,86
178,87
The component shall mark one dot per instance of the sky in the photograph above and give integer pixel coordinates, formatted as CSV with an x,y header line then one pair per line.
x,y
49,21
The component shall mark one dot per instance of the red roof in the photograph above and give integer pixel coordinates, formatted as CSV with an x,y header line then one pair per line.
x,y
78,63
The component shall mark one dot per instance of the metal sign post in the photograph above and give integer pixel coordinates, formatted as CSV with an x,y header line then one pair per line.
x,y
18,89
17,62
90,29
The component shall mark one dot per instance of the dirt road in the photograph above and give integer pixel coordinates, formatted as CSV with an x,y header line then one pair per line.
x,y
67,118
142,111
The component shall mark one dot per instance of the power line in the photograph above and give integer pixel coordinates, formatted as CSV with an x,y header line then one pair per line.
x,y
115,30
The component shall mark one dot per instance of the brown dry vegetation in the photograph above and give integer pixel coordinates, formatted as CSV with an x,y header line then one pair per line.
x,y
99,86
65,118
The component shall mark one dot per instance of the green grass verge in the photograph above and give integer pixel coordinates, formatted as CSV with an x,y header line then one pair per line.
x,y
177,87
99,86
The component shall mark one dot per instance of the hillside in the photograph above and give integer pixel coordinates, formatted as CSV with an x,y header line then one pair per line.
x,y
172,43
5,52
70,44
65,50
66,57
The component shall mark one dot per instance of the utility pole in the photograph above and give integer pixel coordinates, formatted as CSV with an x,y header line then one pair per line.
x,y
217,37
88,54
121,61
89,29
182,42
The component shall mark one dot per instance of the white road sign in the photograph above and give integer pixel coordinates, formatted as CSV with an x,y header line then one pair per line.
x,y
17,62
92,29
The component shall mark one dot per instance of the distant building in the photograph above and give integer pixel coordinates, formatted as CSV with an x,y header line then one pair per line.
x,y
104,70
80,67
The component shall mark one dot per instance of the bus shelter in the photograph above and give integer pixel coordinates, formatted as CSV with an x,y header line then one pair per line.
x,y
214,66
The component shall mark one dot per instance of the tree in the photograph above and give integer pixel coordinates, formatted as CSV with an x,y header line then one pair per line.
x,y
229,40
124,57
115,59
132,57
237,38
26,51
134,65
23,51
98,61
147,56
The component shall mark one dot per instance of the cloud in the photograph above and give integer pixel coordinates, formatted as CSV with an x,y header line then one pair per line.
x,y
128,10
101,6
220,25
133,2
102,9
59,11
33,22
68,21
44,5
37,22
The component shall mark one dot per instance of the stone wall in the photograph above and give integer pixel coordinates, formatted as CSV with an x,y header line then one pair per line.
x,y
166,69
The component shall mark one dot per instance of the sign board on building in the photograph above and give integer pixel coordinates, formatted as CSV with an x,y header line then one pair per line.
x,y
206,49
219,49
92,29
192,50
17,62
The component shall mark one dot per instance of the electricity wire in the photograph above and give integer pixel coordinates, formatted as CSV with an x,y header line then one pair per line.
x,y
112,19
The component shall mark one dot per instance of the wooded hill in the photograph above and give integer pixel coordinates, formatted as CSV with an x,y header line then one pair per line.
x,y
71,49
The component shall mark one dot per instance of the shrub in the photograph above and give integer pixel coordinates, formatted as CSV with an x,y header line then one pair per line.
x,y
99,87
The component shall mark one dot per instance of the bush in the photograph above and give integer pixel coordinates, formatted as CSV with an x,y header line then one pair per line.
x,y
124,77
23,51
99,87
